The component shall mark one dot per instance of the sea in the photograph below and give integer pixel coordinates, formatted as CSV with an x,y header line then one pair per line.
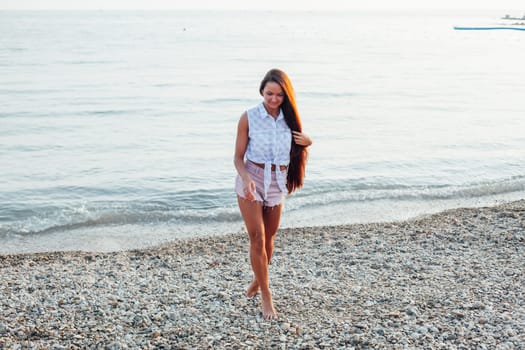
x,y
117,128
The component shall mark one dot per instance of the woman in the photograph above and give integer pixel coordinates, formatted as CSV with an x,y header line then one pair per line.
x,y
270,137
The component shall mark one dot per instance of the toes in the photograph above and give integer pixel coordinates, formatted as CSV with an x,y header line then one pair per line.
x,y
271,317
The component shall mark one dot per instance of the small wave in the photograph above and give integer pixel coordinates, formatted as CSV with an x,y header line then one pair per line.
x,y
84,62
110,112
328,193
14,91
67,219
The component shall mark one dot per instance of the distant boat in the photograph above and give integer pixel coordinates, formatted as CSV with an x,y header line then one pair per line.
x,y
488,28
498,26
514,18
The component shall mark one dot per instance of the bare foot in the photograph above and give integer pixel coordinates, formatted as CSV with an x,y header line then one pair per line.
x,y
268,311
253,288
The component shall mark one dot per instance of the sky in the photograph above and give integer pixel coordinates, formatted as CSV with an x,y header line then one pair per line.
x,y
503,5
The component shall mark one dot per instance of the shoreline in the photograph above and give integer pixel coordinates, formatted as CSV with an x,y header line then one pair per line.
x,y
451,279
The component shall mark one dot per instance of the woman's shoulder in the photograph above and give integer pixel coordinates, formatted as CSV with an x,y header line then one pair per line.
x,y
255,110
243,120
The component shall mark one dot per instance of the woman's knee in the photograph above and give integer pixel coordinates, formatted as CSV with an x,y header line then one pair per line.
x,y
257,240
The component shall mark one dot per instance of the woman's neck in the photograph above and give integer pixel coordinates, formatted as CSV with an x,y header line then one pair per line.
x,y
274,112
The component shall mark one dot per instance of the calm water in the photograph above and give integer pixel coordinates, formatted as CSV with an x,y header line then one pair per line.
x,y
117,128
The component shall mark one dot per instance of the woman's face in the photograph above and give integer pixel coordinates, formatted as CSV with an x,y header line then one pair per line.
x,y
273,95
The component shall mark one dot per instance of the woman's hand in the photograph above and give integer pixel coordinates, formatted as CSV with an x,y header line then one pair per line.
x,y
248,188
301,139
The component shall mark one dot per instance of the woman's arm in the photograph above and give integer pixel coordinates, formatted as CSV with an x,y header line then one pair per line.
x,y
238,159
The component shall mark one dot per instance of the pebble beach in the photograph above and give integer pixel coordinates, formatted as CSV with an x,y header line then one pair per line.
x,y
452,280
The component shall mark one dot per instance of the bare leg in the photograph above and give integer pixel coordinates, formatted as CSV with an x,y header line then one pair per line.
x,y
271,219
252,212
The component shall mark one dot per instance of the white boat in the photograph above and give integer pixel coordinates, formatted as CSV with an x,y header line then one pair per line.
x,y
520,25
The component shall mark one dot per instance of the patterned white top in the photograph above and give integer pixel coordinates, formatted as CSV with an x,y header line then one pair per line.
x,y
269,142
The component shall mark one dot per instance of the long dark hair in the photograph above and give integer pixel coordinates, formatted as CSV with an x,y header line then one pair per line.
x,y
298,154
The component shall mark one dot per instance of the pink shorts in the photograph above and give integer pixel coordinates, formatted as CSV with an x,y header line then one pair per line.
x,y
273,197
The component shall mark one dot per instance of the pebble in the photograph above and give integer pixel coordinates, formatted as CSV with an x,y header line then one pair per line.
x,y
449,280
285,326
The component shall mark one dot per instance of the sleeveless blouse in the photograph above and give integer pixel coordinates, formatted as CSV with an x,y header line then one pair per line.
x,y
269,142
